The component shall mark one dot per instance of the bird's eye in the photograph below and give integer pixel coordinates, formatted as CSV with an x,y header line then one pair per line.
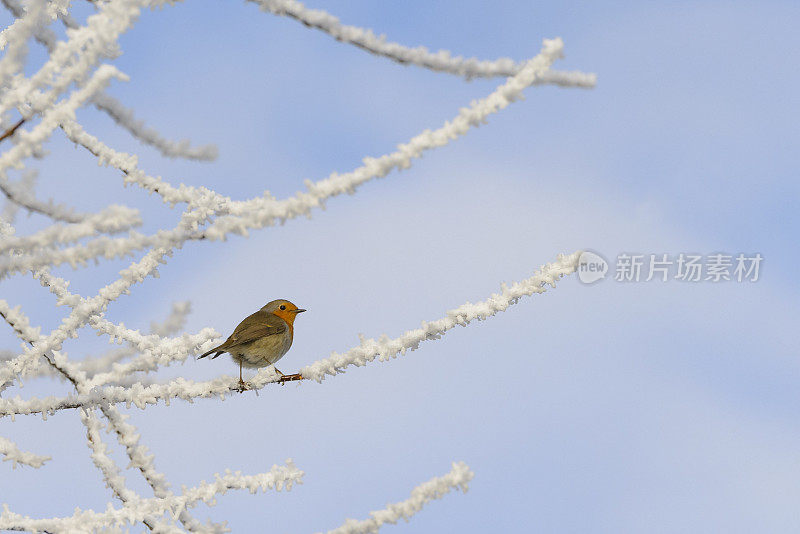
x,y
283,306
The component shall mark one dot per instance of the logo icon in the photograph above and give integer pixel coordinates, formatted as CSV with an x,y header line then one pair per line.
x,y
592,267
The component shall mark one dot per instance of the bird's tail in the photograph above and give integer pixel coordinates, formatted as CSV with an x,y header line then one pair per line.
x,y
212,351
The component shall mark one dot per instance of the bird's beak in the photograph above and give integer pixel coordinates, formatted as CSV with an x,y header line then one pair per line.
x,y
298,311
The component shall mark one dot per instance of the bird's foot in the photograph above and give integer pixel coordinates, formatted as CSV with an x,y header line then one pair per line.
x,y
242,386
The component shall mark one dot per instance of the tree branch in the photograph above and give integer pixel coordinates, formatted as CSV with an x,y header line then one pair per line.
x,y
10,131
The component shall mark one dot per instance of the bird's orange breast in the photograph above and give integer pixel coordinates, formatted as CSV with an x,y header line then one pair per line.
x,y
287,316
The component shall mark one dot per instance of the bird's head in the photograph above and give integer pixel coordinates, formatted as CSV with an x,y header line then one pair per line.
x,y
283,309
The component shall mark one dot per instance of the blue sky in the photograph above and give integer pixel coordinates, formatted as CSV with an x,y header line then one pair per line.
x,y
655,407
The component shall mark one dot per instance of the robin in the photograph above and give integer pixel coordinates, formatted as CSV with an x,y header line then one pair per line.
x,y
262,338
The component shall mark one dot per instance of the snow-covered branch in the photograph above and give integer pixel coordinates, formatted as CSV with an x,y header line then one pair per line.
x,y
241,216
21,194
441,61
79,255
150,136
457,479
12,453
29,142
111,220
140,458
385,348
118,112
11,208
70,61
14,39
382,349
111,472
19,322
258,213
155,350
143,460
88,366
138,395
84,309
111,475
238,217
265,211
278,478
172,324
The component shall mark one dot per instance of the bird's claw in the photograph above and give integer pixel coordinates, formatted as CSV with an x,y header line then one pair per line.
x,y
242,386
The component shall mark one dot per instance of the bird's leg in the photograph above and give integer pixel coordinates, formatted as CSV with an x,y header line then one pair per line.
x,y
242,385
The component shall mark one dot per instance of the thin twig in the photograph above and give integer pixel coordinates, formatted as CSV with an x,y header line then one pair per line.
x,y
10,131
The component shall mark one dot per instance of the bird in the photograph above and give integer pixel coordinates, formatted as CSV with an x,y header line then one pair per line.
x,y
261,339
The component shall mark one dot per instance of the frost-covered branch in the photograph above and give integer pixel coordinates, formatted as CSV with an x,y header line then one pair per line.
x,y
19,322
143,460
21,194
148,135
79,255
172,324
457,479
42,34
11,208
84,309
12,453
382,349
155,350
88,366
241,216
138,395
119,113
128,164
29,142
278,478
261,212
70,61
386,348
111,472
14,39
11,130
441,61
111,475
126,433
112,219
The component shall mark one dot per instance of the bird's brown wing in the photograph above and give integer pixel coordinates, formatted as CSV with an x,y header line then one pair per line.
x,y
256,326
253,327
